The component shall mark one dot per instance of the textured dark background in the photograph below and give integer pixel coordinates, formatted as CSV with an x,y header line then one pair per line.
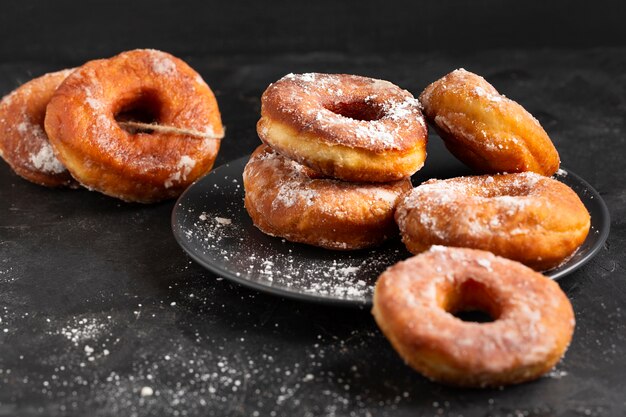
x,y
98,301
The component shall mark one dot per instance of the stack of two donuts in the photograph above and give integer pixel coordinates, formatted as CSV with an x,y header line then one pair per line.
x,y
140,126
337,156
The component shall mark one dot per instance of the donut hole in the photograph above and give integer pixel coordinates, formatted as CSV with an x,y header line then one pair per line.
x,y
357,110
143,107
472,302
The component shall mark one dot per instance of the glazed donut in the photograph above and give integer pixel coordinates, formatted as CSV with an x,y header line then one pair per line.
x,y
484,129
24,144
345,126
85,117
287,199
415,302
527,217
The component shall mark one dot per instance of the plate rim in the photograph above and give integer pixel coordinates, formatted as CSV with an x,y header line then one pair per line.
x,y
603,227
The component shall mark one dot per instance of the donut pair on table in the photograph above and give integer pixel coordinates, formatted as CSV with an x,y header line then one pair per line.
x,y
140,126
338,154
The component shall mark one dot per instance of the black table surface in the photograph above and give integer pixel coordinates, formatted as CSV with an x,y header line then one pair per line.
x,y
98,304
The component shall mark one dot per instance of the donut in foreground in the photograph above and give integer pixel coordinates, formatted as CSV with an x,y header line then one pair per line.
x,y
24,144
415,302
345,126
527,217
287,199
486,130
86,115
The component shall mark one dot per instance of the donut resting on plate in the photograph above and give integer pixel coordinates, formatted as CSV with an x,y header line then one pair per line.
x,y
345,126
527,217
287,199
485,130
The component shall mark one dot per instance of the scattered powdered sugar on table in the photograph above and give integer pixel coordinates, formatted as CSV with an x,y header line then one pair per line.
x,y
82,329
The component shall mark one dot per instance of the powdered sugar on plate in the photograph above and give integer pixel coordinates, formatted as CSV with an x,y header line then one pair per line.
x,y
211,223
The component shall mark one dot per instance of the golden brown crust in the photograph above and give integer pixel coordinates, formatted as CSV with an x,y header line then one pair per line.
x,y
345,126
141,167
24,144
414,302
487,131
527,217
289,200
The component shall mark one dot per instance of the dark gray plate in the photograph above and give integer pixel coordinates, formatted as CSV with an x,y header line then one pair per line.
x,y
211,224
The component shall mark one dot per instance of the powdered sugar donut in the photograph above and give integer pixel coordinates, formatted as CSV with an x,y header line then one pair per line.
x,y
415,302
287,199
527,217
89,116
487,131
345,126
24,144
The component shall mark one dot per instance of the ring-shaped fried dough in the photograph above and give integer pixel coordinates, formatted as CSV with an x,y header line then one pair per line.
x,y
487,131
287,199
527,217
24,144
345,126
142,166
415,302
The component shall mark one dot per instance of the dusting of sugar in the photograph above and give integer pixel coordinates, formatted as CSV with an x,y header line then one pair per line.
x,y
162,65
485,263
46,161
556,374
221,220
42,158
400,110
375,132
488,95
81,330
335,277
438,205
183,168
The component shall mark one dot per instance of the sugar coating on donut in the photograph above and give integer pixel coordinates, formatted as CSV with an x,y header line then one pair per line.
x,y
297,185
534,219
162,64
46,161
485,129
348,127
42,160
100,122
530,334
26,144
287,199
390,101
184,167
433,194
